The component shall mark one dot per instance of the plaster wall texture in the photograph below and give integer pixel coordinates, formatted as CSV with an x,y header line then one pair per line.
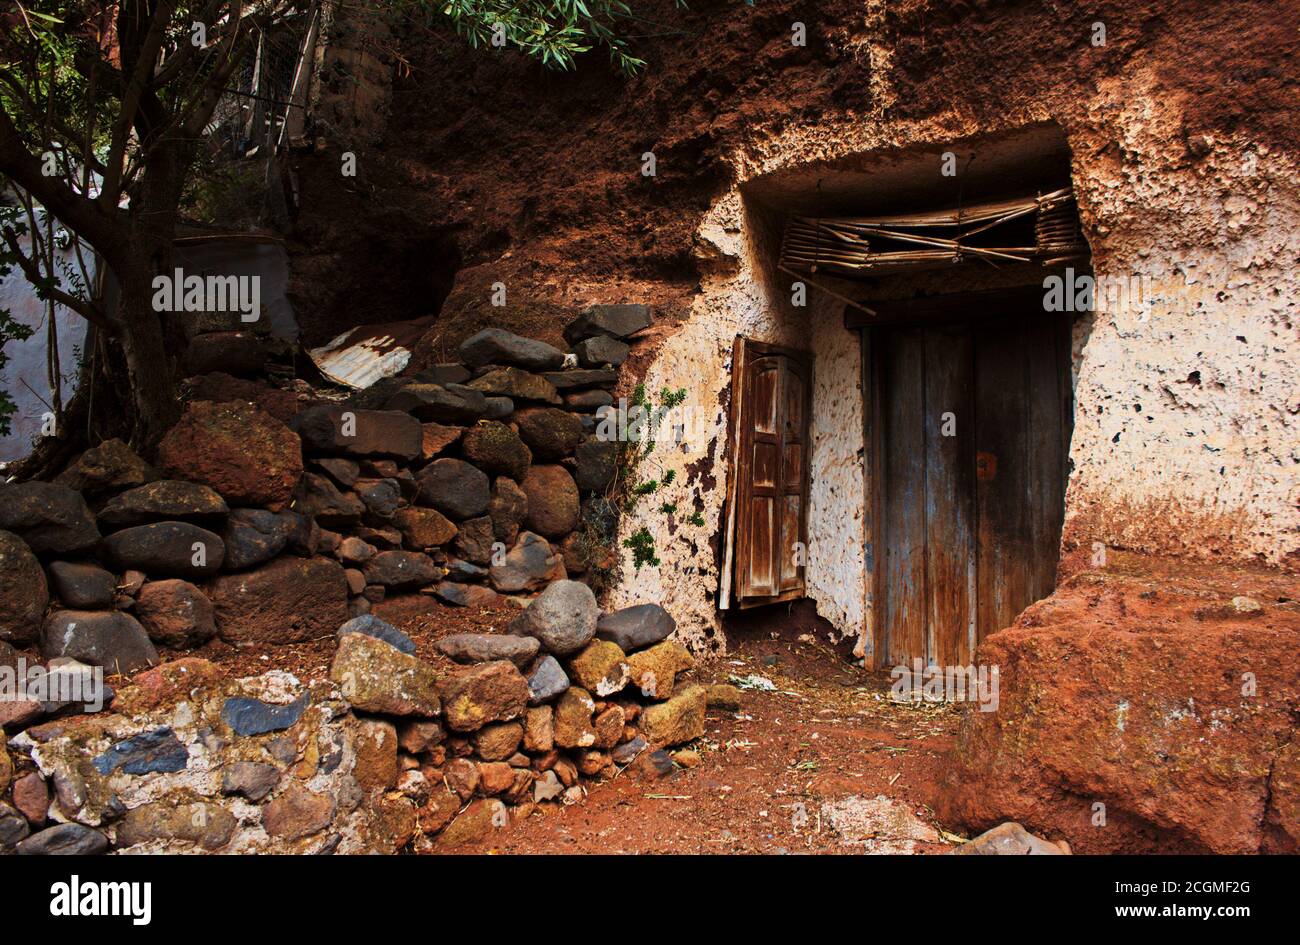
x,y
1185,439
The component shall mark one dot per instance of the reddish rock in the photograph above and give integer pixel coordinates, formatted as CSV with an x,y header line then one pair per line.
x,y
487,692
175,613
423,528
290,600
108,467
1133,694
297,813
375,744
552,501
32,798
437,438
223,388
238,449
495,777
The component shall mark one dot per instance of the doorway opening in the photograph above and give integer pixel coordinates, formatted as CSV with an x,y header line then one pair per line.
x,y
972,415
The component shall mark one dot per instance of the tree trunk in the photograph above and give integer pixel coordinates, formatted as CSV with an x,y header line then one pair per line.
x,y
150,372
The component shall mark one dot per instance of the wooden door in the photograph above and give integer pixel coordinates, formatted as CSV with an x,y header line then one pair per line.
x,y
974,424
765,558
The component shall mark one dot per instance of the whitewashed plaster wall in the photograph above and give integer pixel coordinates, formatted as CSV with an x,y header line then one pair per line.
x,y
736,300
1186,438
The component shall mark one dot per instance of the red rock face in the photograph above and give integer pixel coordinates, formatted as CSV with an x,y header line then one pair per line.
x,y
1135,692
244,453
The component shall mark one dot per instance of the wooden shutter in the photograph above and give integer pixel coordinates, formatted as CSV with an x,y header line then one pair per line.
x,y
767,507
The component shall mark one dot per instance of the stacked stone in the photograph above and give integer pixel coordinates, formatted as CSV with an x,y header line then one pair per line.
x,y
566,694
469,481
395,754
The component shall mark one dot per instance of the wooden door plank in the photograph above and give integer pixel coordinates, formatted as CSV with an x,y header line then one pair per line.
x,y
1047,464
949,493
904,511
1002,480
794,472
757,573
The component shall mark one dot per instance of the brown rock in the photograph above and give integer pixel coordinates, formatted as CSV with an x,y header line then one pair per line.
x,y
654,671
507,509
474,540
573,719
550,433
375,744
1137,703
26,594
495,777
376,677
393,824
678,720
474,823
553,505
608,726
297,813
437,811
423,528
591,763
487,692
539,729
462,777
242,452
203,823
498,741
289,600
418,736
600,668
723,696
175,613
31,796
109,467
496,449
437,438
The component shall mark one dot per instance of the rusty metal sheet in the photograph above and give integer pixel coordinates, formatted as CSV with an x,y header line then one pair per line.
x,y
363,355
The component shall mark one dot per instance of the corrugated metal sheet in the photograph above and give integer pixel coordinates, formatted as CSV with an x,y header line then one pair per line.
x,y
363,355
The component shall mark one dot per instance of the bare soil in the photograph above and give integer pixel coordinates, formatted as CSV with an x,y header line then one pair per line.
x,y
828,732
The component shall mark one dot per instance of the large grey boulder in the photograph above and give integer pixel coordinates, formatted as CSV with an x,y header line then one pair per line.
x,y
335,429
497,346
455,488
486,647
171,549
110,639
166,499
613,321
51,519
635,628
563,617
436,403
82,586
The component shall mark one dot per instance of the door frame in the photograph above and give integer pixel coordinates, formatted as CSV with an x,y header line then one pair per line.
x,y
741,348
